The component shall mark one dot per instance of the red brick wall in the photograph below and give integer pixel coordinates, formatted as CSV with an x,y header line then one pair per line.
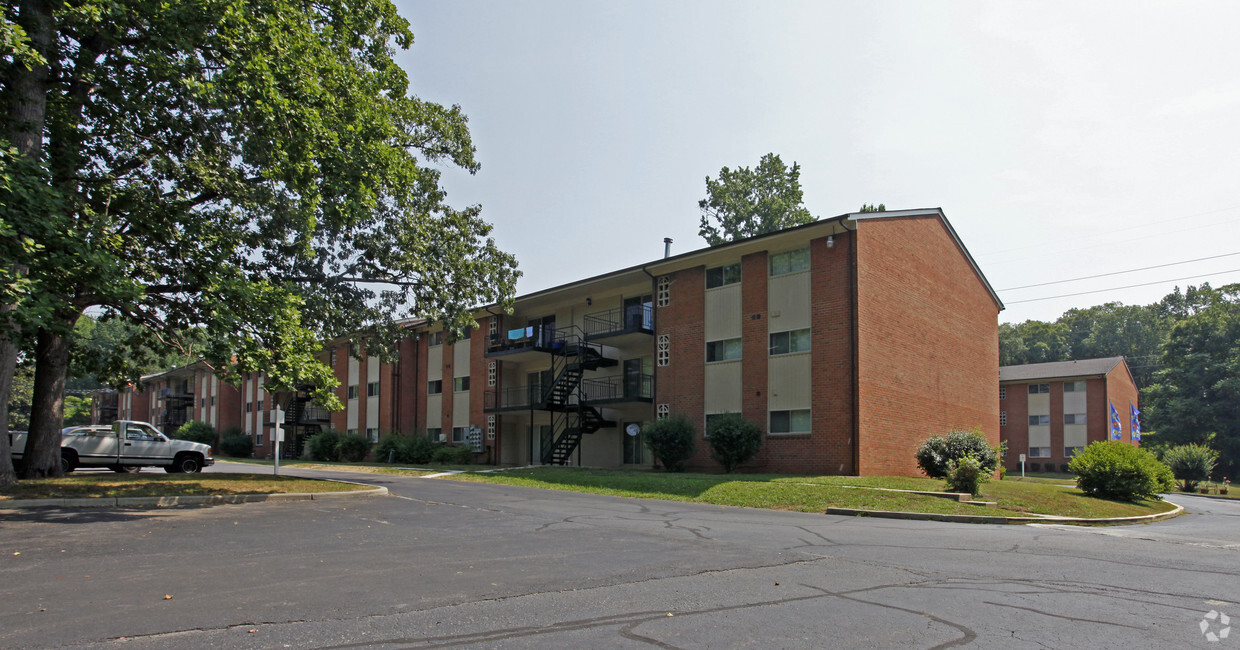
x,y
1016,432
1097,415
478,384
446,395
755,352
832,449
681,383
927,336
340,418
411,391
231,408
1122,391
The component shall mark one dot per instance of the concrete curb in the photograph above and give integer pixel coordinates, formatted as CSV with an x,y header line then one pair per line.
x,y
992,519
168,502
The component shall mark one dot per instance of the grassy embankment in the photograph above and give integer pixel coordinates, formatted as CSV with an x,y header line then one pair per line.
x,y
98,484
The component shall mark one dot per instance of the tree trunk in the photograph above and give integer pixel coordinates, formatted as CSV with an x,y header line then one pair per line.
x,y
8,364
42,458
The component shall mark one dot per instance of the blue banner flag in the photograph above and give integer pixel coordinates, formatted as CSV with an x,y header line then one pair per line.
x,y
1135,422
1117,429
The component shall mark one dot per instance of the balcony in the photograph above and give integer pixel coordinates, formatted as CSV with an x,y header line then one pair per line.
x,y
180,394
524,343
622,325
621,388
516,398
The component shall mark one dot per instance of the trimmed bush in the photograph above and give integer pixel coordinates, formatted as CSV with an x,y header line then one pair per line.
x,y
352,448
1191,464
237,446
1111,469
733,440
452,455
324,446
937,452
671,441
416,449
196,431
966,475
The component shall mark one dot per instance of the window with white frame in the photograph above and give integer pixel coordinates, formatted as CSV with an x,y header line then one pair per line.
x,y
372,434
435,338
1074,418
664,291
458,434
1039,420
721,276
1039,452
372,389
1070,452
725,350
353,391
790,342
790,421
663,353
460,384
1034,389
790,262
434,433
434,387
1074,387
258,439
662,411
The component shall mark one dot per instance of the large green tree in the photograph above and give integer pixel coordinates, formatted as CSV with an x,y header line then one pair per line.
x,y
255,172
745,202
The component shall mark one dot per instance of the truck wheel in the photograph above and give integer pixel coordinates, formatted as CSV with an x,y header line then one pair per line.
x,y
188,464
126,469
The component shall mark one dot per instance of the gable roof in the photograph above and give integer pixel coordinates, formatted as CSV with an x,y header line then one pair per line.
x,y
1060,369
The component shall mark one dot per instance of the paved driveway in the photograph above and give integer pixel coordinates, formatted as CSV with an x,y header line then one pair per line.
x,y
443,563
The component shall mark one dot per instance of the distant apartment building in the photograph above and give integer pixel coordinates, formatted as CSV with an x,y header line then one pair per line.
x,y
848,341
1051,411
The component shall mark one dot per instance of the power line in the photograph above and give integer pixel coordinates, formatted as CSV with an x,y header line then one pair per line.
x,y
1103,275
1131,286
1111,233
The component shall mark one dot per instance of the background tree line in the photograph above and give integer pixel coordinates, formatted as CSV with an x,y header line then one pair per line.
x,y
1184,353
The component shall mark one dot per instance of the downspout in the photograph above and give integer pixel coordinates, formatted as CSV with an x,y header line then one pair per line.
x,y
856,355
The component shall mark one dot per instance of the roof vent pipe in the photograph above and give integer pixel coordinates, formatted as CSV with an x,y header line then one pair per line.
x,y
667,247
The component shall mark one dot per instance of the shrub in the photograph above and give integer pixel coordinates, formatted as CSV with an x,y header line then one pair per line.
x,y
671,441
352,448
937,452
415,449
196,431
1191,464
733,440
966,475
237,446
1111,469
324,445
453,455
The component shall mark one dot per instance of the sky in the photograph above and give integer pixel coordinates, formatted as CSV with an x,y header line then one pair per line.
x,y
1061,139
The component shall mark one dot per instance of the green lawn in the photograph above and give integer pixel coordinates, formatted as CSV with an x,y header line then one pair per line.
x,y
817,493
159,485
369,468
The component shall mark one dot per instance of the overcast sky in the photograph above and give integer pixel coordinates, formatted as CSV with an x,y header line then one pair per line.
x,y
1061,139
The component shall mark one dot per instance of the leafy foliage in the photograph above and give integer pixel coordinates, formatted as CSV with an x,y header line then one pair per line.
x,y
733,440
937,453
1111,469
1191,464
197,431
237,445
747,202
353,448
415,449
870,207
453,455
966,475
671,441
324,446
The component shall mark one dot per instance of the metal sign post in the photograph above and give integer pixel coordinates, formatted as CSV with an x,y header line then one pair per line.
x,y
1022,466
277,436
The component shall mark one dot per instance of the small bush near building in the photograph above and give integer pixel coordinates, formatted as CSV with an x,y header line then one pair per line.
x,y
415,449
237,446
1191,464
1116,470
937,452
966,475
196,431
670,440
324,446
733,440
352,448
453,455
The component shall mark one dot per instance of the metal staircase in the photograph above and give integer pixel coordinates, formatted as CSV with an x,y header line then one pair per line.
x,y
572,416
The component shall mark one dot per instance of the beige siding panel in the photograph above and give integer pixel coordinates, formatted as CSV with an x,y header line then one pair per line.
x,y
434,411
354,371
789,382
1040,436
723,313
1074,435
460,358
1074,402
460,409
1039,404
723,387
788,302
434,362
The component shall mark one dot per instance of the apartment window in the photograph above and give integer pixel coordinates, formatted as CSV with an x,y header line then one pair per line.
x,y
1074,418
723,275
1039,420
790,262
1039,452
663,354
332,358
213,400
353,391
664,291
1003,392
372,389
1003,418
258,439
1070,452
458,434
795,421
725,350
433,433
460,384
662,411
435,338
202,402
434,387
372,434
1034,389
789,342
260,406
1074,387
249,407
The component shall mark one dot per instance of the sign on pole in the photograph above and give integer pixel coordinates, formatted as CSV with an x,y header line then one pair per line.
x,y
277,436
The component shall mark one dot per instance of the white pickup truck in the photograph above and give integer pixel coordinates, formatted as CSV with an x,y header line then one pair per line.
x,y
126,446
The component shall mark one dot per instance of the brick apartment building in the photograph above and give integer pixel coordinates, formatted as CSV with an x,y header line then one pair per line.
x,y
848,340
1050,411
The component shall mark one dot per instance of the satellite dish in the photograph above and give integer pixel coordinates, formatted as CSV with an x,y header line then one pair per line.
x,y
633,429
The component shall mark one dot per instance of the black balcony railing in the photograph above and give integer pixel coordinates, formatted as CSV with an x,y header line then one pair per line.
x,y
534,337
514,397
620,387
633,318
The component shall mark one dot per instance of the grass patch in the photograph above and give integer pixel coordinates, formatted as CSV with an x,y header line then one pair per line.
x,y
368,468
155,485
817,493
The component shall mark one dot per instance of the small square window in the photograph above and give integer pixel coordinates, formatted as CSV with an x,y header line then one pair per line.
x,y
434,387
725,350
372,389
460,384
458,434
434,433
353,391
723,275
372,434
435,338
